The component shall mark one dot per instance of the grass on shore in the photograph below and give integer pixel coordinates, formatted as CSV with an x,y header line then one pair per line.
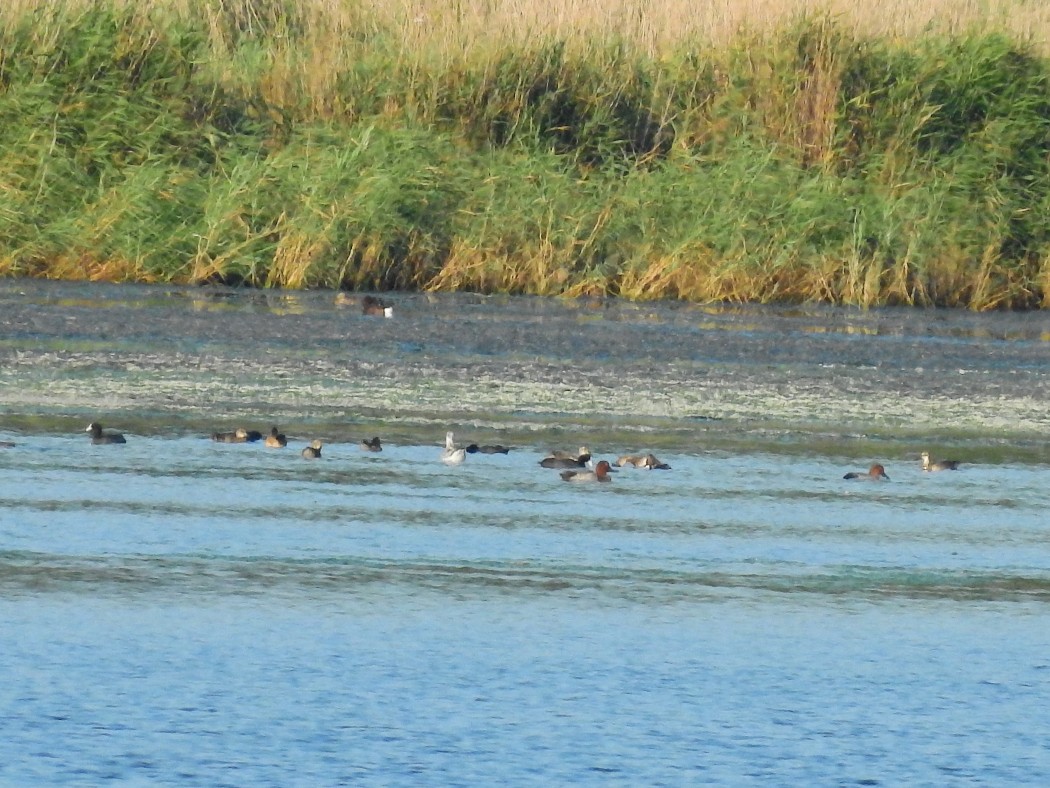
x,y
333,145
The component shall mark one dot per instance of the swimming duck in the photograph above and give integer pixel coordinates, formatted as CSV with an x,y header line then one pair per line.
x,y
564,459
875,473
276,440
98,437
372,445
451,455
313,451
239,435
647,461
939,465
599,474
496,449
370,305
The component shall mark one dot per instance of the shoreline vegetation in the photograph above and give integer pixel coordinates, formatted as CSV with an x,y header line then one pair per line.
x,y
771,152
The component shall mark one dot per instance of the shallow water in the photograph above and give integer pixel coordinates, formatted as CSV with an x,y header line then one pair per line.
x,y
179,611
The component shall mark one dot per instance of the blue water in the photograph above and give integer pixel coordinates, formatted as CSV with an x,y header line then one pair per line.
x,y
180,612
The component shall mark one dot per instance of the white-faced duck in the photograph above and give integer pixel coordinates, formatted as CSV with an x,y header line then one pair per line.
x,y
938,465
99,438
276,440
373,445
875,473
599,474
313,451
647,461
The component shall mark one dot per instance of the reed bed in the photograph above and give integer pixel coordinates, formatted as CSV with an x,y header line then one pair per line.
x,y
756,151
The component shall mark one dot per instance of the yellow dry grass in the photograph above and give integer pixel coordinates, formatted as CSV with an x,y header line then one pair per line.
x,y
652,25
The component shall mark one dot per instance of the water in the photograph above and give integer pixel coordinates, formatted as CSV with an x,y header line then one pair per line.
x,y
177,611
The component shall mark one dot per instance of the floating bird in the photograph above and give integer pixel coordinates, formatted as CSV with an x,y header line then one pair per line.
x,y
371,305
939,465
313,451
647,461
599,474
874,474
451,455
497,449
372,445
564,459
239,435
98,437
276,440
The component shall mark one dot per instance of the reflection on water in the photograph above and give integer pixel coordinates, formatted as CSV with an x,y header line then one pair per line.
x,y
185,611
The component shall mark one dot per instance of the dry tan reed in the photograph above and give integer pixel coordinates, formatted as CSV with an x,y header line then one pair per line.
x,y
653,25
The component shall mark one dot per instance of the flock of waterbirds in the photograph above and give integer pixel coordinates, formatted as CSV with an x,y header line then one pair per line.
x,y
577,466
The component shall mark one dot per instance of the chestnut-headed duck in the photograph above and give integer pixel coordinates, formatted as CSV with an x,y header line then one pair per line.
x,y
647,461
98,437
874,474
599,474
487,449
370,305
276,440
372,445
938,465
451,455
313,451
564,459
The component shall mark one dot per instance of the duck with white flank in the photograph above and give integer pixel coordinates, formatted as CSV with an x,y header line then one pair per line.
x,y
875,473
451,455
599,474
938,465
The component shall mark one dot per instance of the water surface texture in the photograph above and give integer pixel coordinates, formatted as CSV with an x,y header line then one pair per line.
x,y
179,611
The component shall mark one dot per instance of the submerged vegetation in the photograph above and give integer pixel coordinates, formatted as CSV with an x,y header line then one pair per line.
x,y
335,144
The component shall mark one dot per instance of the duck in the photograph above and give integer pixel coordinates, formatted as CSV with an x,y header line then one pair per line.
x,y
239,435
875,473
487,449
98,437
313,451
276,440
564,459
372,445
939,465
370,305
599,474
647,461
451,455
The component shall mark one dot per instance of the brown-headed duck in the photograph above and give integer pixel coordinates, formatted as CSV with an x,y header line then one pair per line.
x,y
276,440
98,437
875,473
451,455
938,465
599,474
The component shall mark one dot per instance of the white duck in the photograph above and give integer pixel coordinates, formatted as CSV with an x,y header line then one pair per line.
x,y
451,455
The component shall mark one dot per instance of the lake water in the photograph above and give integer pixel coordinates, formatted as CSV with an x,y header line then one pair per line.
x,y
179,611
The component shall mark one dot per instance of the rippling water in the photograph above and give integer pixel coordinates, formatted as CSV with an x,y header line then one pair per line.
x,y
178,611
